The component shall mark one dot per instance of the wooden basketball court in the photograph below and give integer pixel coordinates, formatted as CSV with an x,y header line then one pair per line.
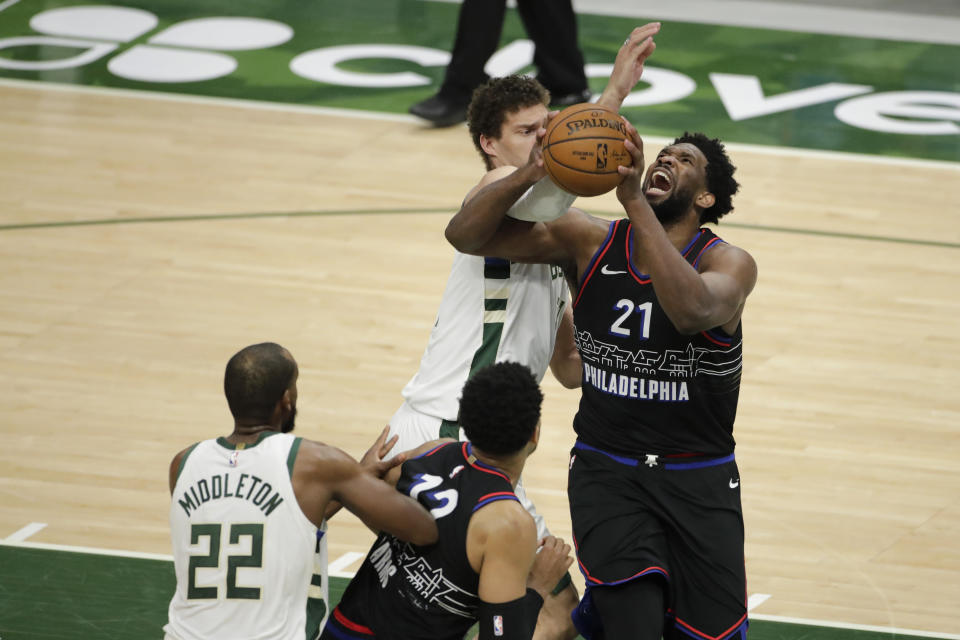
x,y
144,240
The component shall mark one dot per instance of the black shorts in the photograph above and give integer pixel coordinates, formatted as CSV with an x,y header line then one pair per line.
x,y
679,518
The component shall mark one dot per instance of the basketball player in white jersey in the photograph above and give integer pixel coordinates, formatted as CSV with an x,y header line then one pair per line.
x,y
246,510
494,310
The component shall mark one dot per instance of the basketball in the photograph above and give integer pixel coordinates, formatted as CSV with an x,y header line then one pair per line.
x,y
583,147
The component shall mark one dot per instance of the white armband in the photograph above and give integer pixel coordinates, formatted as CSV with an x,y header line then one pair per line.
x,y
542,202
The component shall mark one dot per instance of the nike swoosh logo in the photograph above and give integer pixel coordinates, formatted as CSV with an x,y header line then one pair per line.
x,y
605,270
734,483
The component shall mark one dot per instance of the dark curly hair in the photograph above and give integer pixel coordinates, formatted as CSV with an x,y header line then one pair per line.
x,y
500,408
720,170
497,98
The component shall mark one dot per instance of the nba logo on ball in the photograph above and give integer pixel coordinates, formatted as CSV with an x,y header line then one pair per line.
x,y
498,625
602,155
583,147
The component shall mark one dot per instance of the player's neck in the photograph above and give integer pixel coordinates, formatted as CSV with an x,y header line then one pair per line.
x,y
248,433
512,466
683,231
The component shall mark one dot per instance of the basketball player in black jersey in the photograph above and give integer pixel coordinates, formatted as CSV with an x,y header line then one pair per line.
x,y
485,567
653,486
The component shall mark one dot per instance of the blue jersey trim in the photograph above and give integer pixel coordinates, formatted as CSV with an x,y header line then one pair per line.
x,y
698,464
621,459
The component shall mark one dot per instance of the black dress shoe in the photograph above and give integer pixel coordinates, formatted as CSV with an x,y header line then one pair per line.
x,y
440,111
570,99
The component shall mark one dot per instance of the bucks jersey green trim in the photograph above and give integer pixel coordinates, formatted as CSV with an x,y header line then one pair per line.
x,y
316,611
449,429
495,305
226,444
183,461
496,292
292,457
487,353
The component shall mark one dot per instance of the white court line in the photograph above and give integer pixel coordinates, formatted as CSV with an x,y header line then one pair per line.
x,y
8,4
856,627
22,534
756,600
812,623
395,117
336,568
140,555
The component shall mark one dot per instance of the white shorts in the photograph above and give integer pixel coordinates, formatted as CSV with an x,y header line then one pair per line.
x,y
414,428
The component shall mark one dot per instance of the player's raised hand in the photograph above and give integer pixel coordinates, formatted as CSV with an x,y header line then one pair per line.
x,y
373,461
628,66
631,187
535,159
552,561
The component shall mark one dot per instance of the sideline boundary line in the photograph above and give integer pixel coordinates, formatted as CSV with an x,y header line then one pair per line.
x,y
757,616
394,117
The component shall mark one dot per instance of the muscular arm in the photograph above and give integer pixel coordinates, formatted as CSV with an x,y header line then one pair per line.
x,y
693,300
323,473
565,363
502,548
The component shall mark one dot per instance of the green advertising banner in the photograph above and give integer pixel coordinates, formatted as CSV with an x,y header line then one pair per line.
x,y
747,85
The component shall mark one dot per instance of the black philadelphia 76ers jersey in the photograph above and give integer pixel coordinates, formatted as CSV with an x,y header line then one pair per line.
x,y
413,592
646,387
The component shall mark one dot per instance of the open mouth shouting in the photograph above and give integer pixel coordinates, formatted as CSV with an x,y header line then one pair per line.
x,y
660,182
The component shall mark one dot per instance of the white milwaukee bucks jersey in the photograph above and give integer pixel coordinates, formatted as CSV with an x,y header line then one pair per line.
x,y
492,310
243,551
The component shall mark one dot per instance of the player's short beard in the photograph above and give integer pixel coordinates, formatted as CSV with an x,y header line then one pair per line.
x,y
670,210
288,424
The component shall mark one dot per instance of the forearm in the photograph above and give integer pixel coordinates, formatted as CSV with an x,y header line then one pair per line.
x,y
565,364
517,618
680,289
407,520
480,217
612,98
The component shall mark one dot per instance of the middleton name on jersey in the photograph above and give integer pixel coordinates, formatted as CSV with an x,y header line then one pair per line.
x,y
243,486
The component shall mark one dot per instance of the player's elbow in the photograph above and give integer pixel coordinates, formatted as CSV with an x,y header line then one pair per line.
x,y
460,238
692,319
570,376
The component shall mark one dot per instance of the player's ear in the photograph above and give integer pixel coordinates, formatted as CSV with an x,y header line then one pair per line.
x,y
706,200
487,145
285,404
535,438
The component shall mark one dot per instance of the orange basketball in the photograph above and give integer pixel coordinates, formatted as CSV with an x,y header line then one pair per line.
x,y
583,147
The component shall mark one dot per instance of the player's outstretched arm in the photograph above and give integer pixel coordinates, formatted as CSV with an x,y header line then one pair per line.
x,y
693,300
628,66
323,473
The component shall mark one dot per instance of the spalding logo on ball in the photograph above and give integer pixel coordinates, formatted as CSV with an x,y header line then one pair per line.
x,y
583,147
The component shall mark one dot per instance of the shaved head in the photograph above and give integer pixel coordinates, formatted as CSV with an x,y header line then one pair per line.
x,y
256,379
